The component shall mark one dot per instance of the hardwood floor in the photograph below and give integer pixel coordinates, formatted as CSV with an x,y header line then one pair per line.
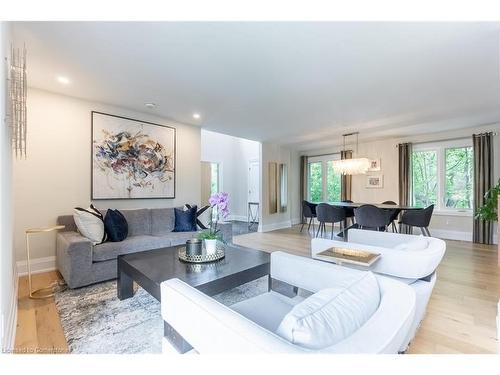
x,y
460,316
38,326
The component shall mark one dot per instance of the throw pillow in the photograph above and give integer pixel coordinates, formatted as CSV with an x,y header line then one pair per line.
x,y
90,224
331,315
185,221
116,226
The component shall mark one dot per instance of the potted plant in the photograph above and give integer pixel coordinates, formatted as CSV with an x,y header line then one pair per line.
x,y
220,207
489,211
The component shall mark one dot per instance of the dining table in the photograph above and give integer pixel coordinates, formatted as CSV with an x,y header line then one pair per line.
x,y
344,232
378,205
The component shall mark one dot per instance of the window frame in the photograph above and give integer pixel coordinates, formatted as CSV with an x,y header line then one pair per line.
x,y
440,148
324,159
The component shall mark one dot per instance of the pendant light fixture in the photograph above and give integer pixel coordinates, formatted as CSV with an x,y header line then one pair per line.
x,y
351,166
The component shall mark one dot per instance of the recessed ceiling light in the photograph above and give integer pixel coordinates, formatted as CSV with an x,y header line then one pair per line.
x,y
150,105
196,116
63,80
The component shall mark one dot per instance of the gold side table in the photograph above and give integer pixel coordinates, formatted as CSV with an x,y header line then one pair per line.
x,y
47,291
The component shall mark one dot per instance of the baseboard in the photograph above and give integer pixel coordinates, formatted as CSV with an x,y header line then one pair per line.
x,y
38,265
275,226
296,221
452,235
237,218
9,334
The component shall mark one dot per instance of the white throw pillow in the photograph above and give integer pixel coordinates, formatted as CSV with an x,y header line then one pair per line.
x,y
413,245
331,315
90,224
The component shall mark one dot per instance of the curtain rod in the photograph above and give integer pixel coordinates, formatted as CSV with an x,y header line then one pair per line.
x,y
447,139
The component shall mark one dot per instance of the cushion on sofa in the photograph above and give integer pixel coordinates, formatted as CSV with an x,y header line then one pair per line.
x,y
139,221
90,224
110,250
331,315
162,221
185,220
115,225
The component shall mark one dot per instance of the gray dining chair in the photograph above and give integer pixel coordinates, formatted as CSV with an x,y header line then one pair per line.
x,y
371,217
394,215
308,212
326,213
418,218
349,212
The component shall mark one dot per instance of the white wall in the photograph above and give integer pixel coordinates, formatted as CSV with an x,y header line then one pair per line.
x,y
233,154
55,177
274,153
8,277
442,225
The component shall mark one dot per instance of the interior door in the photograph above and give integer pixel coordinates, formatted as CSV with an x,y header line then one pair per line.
x,y
253,181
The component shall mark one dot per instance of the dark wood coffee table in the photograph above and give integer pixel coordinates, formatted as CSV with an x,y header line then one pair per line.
x,y
150,268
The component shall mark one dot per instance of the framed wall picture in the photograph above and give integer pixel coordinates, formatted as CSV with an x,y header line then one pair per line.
x,y
376,181
131,159
374,165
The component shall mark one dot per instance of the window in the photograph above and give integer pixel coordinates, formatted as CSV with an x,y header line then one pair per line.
x,y
323,182
442,175
214,178
315,181
459,175
425,181
332,183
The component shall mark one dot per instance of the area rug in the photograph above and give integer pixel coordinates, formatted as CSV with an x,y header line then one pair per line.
x,y
95,321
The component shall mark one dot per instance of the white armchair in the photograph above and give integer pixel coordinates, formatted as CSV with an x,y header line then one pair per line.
x,y
250,326
406,258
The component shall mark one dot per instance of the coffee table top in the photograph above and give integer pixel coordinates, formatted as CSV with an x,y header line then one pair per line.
x,y
150,268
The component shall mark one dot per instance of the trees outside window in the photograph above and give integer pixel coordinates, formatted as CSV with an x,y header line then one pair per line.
x,y
323,182
459,177
425,181
442,174
333,183
315,181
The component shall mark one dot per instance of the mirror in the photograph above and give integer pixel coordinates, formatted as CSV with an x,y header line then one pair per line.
x,y
283,187
272,188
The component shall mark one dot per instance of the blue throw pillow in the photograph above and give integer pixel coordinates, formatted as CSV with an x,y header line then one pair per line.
x,y
116,226
185,221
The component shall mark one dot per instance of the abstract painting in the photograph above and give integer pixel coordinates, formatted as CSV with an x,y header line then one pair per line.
x,y
131,159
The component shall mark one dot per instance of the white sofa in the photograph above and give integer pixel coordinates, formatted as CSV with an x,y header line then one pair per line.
x,y
406,258
250,326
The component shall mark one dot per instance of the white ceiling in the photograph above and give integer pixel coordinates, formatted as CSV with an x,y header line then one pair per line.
x,y
300,84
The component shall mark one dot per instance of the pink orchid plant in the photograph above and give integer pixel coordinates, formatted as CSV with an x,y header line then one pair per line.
x,y
220,207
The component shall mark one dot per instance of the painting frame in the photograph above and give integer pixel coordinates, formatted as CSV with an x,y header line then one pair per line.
x,y
375,181
374,165
142,123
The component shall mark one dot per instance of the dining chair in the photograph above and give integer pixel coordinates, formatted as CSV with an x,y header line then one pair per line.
x,y
394,215
368,216
329,214
349,212
418,218
308,212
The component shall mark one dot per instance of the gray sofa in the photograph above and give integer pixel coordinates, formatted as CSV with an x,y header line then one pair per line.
x,y
82,264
